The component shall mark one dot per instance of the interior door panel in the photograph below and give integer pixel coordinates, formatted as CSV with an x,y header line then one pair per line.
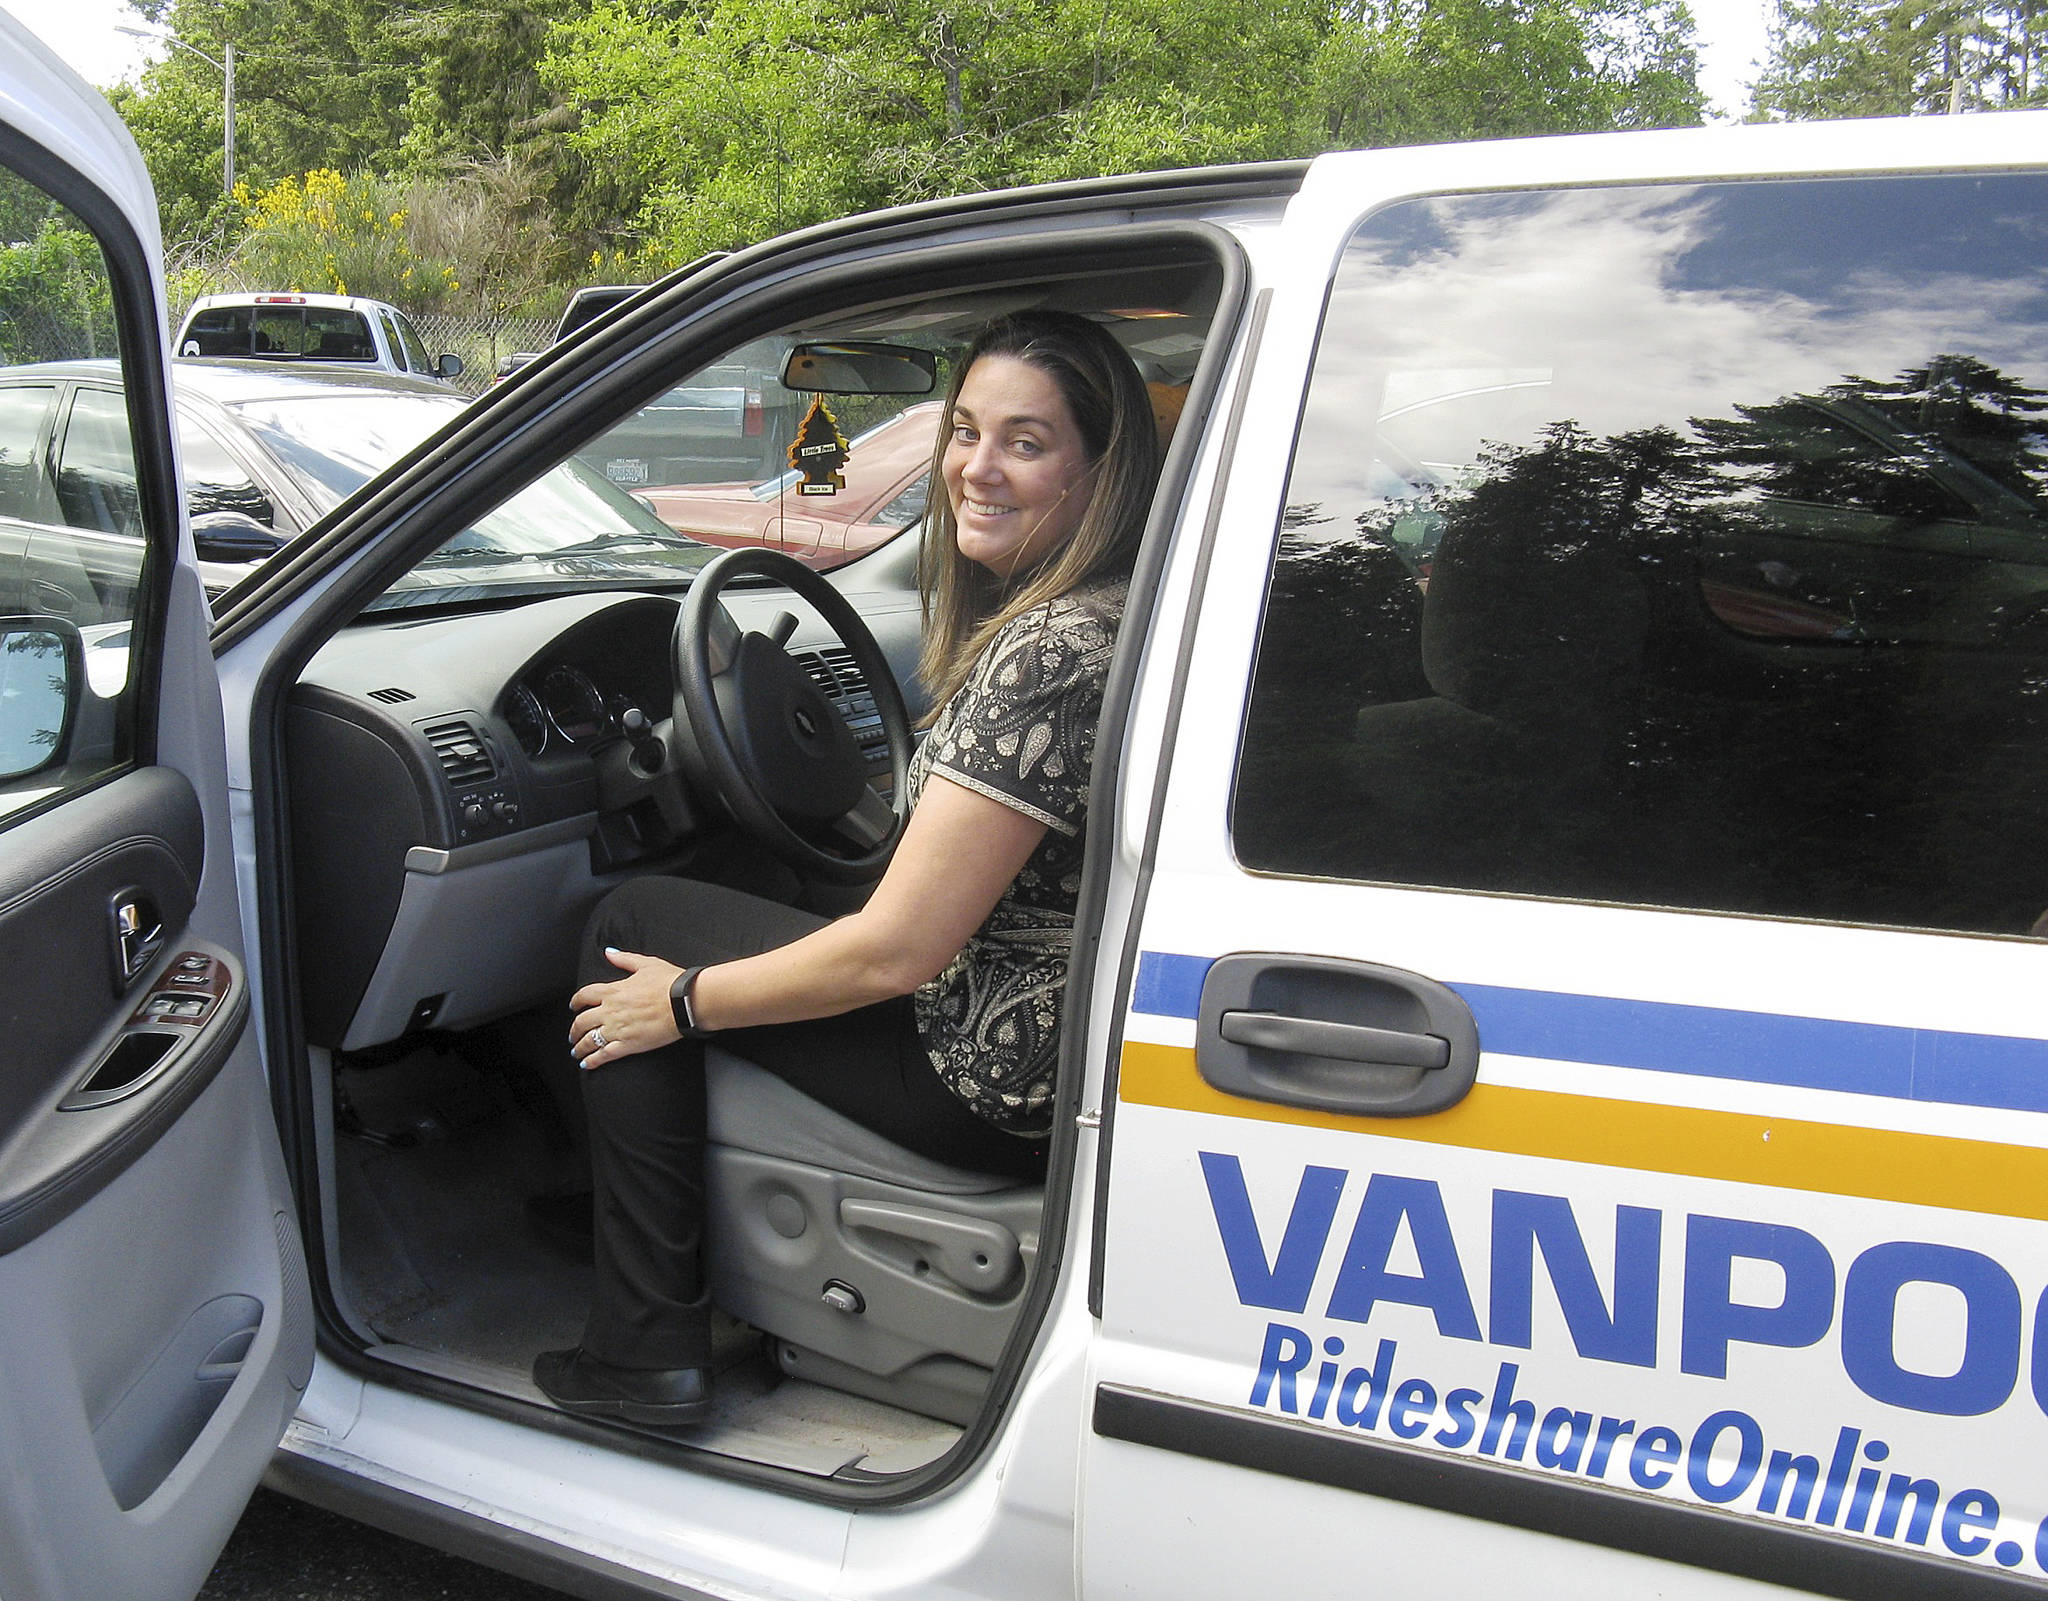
x,y
164,1337
153,1303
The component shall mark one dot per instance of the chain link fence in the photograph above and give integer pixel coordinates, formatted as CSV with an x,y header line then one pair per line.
x,y
481,342
45,333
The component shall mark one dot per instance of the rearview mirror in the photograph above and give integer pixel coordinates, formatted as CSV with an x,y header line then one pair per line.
x,y
448,366
858,367
42,666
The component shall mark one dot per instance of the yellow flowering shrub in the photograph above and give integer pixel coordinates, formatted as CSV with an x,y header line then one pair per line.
x,y
331,234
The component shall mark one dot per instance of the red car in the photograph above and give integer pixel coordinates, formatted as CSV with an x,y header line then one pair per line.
x,y
887,477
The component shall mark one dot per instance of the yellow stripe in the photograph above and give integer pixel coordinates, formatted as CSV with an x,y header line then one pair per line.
x,y
1830,1158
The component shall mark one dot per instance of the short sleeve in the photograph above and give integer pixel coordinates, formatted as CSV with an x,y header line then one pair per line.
x,y
1023,729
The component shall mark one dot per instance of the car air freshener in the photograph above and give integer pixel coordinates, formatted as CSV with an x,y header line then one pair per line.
x,y
819,452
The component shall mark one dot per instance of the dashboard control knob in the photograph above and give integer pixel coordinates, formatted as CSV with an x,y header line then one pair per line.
x,y
634,725
474,815
648,754
506,812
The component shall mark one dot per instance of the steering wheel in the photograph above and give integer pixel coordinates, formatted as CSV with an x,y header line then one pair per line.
x,y
770,745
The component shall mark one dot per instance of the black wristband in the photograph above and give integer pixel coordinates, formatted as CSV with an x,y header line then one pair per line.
x,y
679,1004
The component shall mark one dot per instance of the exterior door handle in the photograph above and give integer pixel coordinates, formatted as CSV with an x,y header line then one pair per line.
x,y
1333,1035
1346,1042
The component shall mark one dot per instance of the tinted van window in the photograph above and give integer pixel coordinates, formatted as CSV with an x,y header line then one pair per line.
x,y
1679,545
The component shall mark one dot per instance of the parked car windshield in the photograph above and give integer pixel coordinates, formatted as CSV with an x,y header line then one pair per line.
x,y
415,348
570,526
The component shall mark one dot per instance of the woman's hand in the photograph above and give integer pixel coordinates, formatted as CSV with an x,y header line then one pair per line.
x,y
626,1016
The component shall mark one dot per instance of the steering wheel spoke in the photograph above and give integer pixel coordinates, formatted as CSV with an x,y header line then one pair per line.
x,y
722,637
868,826
769,741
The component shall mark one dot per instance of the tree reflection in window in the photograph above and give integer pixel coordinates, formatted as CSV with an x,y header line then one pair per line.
x,y
1791,660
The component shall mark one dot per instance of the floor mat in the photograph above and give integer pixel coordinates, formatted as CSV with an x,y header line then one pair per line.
x,y
436,1247
440,1260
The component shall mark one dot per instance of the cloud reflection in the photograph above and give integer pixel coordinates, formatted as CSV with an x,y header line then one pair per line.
x,y
1476,319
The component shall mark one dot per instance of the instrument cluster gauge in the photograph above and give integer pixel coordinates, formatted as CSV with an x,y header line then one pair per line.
x,y
529,722
574,705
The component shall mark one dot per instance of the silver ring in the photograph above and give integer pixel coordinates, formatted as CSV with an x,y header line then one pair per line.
x,y
597,1039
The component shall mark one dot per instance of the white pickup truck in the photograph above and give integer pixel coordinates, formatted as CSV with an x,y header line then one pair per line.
x,y
1555,1087
294,325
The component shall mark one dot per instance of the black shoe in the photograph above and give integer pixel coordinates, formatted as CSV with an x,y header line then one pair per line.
x,y
664,1397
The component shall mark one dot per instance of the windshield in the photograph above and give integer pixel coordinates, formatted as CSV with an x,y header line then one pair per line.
x,y
569,524
727,455
332,443
416,356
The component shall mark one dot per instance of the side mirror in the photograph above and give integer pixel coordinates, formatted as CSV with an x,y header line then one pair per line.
x,y
233,536
859,367
448,366
42,673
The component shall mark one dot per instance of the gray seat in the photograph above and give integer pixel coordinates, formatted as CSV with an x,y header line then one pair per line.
x,y
876,1270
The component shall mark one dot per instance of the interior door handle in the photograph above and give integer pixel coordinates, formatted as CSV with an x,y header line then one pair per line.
x,y
1334,1035
1346,1042
138,932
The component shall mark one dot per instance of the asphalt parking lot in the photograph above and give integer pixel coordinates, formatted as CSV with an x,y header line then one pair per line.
x,y
285,1550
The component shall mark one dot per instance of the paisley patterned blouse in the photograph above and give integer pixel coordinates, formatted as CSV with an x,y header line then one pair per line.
x,y
1022,732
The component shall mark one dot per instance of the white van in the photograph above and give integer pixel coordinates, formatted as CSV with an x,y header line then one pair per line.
x,y
1555,1092
344,329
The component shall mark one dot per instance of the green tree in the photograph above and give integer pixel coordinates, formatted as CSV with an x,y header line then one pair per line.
x,y
56,299
1424,71
731,119
318,84
1868,58
740,117
482,118
177,124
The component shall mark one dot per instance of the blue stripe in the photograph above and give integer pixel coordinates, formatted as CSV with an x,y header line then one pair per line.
x,y
1907,1064
1169,986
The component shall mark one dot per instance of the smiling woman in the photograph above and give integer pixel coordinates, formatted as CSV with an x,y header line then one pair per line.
x,y
1012,464
1047,457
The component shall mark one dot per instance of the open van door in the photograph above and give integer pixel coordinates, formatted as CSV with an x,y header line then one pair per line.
x,y
155,1328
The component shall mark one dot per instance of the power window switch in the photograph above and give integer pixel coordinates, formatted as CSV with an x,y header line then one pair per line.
x,y
177,1008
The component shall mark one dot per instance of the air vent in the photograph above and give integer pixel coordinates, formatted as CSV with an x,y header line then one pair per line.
x,y
834,671
464,757
392,697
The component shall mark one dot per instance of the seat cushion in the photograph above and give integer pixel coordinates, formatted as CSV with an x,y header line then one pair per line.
x,y
753,1110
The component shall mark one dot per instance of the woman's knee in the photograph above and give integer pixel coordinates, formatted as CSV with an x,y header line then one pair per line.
x,y
628,919
683,920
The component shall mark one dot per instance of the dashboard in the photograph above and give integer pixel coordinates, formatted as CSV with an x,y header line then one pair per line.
x,y
464,789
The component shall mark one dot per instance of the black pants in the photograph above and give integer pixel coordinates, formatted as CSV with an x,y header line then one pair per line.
x,y
647,1114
